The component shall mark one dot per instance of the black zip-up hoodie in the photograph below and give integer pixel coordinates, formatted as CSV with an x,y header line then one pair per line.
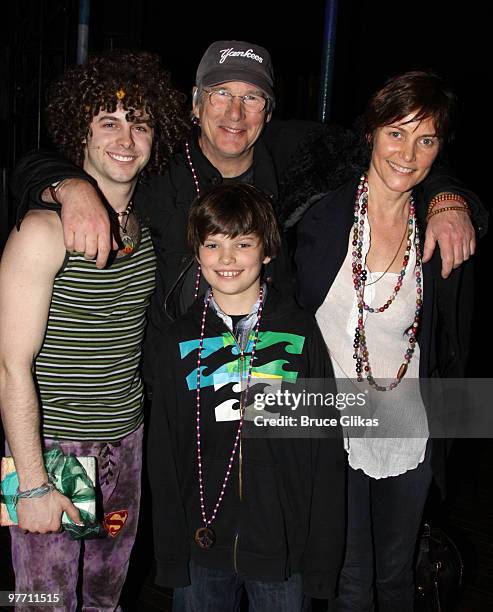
x,y
289,517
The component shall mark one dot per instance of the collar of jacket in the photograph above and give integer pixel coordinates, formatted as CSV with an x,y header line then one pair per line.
x,y
245,325
276,305
264,172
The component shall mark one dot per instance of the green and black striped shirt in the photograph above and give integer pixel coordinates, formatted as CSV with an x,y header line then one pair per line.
x,y
88,369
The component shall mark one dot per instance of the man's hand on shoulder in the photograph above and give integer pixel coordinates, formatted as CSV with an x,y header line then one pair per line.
x,y
44,514
454,233
86,225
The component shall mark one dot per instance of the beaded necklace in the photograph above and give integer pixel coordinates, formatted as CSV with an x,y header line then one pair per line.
x,y
205,536
197,190
128,242
194,174
127,210
361,354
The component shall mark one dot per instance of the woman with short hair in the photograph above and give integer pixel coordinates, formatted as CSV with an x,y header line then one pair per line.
x,y
390,322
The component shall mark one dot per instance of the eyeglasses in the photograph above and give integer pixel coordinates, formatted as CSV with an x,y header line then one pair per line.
x,y
220,98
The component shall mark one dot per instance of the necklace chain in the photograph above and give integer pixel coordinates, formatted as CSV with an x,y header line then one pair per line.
x,y
393,259
194,173
128,242
361,354
127,210
197,190
243,401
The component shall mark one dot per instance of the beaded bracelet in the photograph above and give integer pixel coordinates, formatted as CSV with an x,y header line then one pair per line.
x,y
40,491
445,208
444,197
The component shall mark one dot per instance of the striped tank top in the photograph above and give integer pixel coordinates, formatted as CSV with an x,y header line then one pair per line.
x,y
88,369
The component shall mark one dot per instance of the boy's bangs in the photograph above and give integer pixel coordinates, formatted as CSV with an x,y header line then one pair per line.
x,y
229,223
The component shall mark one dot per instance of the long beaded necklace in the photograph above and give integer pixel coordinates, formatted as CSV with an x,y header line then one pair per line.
x,y
205,536
361,354
194,174
128,242
197,190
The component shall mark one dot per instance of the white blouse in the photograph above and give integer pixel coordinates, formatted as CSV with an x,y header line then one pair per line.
x,y
401,413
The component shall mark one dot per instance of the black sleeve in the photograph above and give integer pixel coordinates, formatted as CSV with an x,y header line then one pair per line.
x,y
323,554
157,324
441,179
455,301
162,214
36,171
452,407
279,271
171,538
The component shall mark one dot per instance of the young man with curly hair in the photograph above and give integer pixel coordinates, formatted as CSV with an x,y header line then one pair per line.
x,y
71,333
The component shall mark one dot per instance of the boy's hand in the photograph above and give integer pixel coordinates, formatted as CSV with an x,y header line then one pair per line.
x,y
85,221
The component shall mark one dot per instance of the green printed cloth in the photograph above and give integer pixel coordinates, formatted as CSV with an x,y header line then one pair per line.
x,y
72,476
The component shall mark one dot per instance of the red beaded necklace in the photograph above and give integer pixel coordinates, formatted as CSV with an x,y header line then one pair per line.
x,y
204,536
361,354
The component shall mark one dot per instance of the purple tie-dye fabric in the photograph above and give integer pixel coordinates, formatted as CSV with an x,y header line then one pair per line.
x,y
53,563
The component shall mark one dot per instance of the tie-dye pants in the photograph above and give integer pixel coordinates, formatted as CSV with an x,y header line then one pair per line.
x,y
96,568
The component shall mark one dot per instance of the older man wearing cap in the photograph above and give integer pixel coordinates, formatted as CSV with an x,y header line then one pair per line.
x,y
233,139
232,101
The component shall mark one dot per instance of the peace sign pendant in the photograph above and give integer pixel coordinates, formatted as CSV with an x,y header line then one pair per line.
x,y
205,537
128,243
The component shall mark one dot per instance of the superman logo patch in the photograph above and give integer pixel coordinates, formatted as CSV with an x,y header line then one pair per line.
x,y
113,522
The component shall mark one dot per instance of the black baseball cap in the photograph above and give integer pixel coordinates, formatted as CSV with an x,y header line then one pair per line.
x,y
236,60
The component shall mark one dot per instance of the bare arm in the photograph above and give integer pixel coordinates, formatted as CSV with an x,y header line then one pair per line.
x,y
30,261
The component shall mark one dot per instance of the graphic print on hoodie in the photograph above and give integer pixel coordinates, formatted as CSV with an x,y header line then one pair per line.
x,y
221,366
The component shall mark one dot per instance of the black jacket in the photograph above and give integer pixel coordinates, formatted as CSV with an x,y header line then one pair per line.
x,y
294,162
447,312
290,518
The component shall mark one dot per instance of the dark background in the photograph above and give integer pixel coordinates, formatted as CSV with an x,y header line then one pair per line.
x,y
375,39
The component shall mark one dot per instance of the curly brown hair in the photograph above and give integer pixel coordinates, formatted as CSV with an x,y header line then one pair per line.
x,y
137,82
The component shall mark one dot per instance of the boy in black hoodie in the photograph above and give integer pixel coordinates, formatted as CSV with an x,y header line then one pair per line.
x,y
264,513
